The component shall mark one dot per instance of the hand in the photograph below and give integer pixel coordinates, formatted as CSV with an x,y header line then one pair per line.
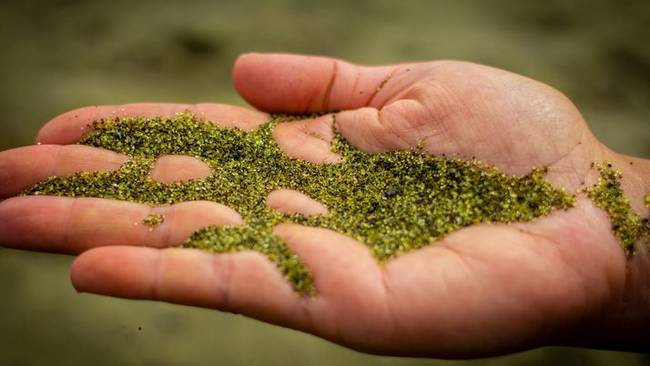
x,y
484,290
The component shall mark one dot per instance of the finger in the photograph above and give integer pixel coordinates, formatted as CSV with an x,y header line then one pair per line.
x,y
308,140
335,259
179,168
287,83
290,201
244,282
70,126
72,225
25,166
351,296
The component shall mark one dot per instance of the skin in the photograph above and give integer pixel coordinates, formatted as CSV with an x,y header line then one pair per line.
x,y
484,290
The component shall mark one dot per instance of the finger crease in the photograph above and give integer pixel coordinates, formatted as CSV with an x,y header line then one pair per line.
x,y
390,129
55,161
380,87
225,283
328,92
154,291
388,308
68,222
355,85
304,304
169,229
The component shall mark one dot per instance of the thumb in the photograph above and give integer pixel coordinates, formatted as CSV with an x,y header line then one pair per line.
x,y
294,84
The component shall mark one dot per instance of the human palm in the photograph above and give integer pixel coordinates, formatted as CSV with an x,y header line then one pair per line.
x,y
485,289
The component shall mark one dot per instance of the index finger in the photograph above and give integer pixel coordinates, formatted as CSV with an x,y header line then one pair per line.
x,y
242,282
68,127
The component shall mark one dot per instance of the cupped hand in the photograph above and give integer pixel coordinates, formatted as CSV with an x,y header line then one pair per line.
x,y
484,290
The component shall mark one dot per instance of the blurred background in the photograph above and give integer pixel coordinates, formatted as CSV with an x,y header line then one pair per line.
x,y
59,55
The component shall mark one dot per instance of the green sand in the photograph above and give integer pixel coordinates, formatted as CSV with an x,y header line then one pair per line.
x,y
392,202
153,220
608,194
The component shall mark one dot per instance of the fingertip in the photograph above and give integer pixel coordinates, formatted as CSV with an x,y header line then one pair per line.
x,y
283,83
240,69
115,271
82,270
170,169
79,273
243,58
67,127
244,74
292,201
25,221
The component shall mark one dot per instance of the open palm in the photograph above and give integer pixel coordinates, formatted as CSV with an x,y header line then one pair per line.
x,y
486,289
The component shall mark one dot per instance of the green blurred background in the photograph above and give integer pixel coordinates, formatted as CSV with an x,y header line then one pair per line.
x,y
58,55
